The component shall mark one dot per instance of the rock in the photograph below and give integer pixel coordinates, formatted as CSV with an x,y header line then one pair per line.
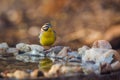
x,y
70,69
56,49
105,68
74,60
3,47
12,50
64,52
73,54
81,51
18,74
9,75
26,47
35,52
23,58
36,73
52,56
36,47
89,68
102,44
32,56
4,74
98,55
2,51
115,65
61,69
54,71
116,55
23,47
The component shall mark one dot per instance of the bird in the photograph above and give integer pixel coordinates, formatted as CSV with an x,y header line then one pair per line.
x,y
47,35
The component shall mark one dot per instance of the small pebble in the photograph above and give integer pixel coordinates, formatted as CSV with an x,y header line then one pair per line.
x,y
23,47
64,52
9,75
102,44
115,65
12,50
36,73
4,46
21,74
36,47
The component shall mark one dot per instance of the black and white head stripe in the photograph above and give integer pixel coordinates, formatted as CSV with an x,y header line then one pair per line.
x,y
46,26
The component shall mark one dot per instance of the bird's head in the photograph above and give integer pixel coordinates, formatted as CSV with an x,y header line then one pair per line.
x,y
46,27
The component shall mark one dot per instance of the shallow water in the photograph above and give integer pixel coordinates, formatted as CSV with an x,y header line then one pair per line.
x,y
11,64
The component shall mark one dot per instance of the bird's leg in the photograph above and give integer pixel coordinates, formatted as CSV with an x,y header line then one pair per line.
x,y
47,50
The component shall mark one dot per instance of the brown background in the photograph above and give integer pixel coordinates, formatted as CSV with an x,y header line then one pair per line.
x,y
76,22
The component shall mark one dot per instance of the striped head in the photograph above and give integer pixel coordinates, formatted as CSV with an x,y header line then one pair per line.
x,y
46,26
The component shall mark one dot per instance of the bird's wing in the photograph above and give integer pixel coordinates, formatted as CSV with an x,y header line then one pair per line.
x,y
55,34
40,34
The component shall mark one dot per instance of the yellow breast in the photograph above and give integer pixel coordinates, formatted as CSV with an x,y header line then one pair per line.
x,y
47,38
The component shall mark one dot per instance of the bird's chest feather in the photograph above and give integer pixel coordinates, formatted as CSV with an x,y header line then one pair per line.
x,y
47,38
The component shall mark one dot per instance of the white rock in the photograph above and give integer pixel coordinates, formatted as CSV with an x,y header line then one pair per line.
x,y
4,46
52,55
73,54
36,47
12,50
23,47
102,44
89,68
34,52
26,47
64,52
82,50
98,55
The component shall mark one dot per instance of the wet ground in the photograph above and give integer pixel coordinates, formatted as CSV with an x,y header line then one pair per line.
x,y
11,64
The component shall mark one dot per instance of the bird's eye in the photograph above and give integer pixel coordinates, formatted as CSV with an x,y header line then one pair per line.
x,y
45,28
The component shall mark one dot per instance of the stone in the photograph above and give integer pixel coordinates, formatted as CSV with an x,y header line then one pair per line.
x,y
98,55
9,75
81,51
89,68
64,52
55,49
12,50
36,73
115,65
23,47
70,69
36,47
105,68
3,47
102,44
19,74
54,70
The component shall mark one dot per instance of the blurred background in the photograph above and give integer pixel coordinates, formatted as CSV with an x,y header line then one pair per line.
x,y
76,22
